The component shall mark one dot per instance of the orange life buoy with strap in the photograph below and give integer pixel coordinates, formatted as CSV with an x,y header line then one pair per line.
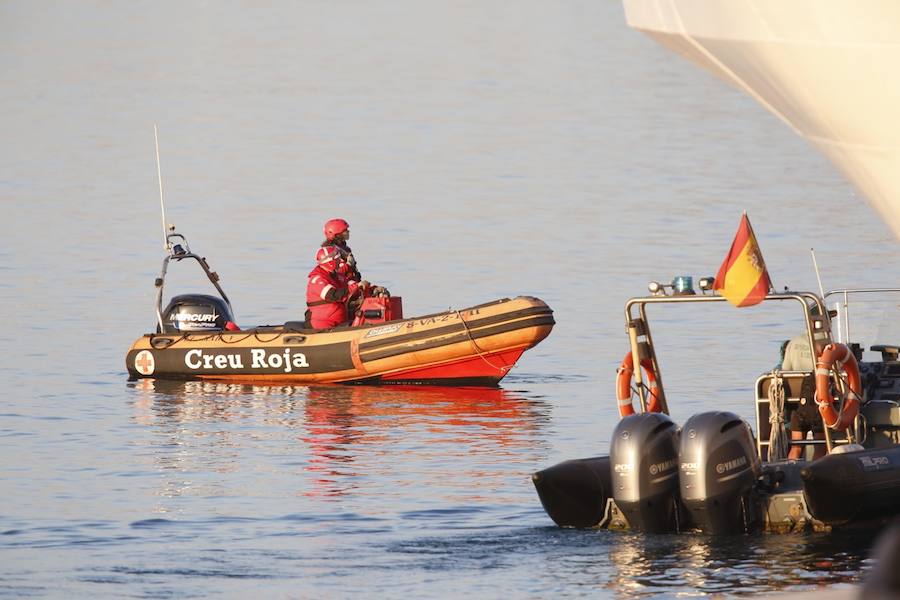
x,y
623,386
840,356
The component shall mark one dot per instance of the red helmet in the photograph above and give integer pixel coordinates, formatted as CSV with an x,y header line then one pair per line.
x,y
328,257
335,227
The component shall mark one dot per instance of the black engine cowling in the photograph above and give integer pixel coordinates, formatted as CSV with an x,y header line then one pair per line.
x,y
644,460
718,469
193,313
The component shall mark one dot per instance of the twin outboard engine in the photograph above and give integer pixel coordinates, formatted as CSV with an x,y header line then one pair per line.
x,y
195,313
644,457
704,476
718,468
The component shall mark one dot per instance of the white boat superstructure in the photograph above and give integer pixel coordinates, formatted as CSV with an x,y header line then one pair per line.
x,y
827,68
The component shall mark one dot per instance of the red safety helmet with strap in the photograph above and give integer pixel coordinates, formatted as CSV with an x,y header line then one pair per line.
x,y
328,257
335,227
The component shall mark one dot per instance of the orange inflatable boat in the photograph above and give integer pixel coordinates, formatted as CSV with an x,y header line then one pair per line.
x,y
196,338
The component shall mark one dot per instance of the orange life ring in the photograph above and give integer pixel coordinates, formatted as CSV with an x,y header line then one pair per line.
x,y
841,356
623,386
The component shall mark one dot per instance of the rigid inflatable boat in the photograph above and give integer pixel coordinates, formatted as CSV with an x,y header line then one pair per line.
x,y
197,338
713,474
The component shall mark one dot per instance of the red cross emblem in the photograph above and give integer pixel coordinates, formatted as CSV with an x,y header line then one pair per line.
x,y
144,362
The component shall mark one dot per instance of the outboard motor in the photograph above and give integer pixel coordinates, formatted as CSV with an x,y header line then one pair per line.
x,y
718,468
192,313
645,471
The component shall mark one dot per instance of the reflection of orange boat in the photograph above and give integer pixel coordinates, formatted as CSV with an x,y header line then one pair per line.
x,y
491,408
349,432
345,425
197,338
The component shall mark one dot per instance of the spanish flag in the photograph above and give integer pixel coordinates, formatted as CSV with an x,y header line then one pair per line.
x,y
742,279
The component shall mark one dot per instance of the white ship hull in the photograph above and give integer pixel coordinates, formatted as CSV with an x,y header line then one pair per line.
x,y
827,68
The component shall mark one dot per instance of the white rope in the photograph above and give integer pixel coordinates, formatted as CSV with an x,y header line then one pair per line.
x,y
778,439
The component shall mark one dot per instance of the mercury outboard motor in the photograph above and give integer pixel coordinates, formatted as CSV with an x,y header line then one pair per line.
x,y
645,471
193,313
718,469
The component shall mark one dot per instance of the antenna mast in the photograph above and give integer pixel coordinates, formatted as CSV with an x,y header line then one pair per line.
x,y
818,277
162,204
840,335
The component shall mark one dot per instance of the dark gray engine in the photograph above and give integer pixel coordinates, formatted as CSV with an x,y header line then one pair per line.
x,y
195,313
645,471
718,469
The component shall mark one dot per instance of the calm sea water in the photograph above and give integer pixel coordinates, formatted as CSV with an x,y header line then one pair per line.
x,y
479,150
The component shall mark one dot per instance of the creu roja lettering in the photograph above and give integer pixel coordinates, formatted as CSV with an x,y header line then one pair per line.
x,y
260,358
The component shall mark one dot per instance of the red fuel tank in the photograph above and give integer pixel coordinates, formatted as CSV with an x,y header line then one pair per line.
x,y
378,310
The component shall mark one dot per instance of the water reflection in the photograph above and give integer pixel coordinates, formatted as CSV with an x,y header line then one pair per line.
x,y
338,438
647,565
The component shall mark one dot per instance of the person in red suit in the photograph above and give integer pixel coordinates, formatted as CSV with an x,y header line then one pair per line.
x,y
328,290
337,233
